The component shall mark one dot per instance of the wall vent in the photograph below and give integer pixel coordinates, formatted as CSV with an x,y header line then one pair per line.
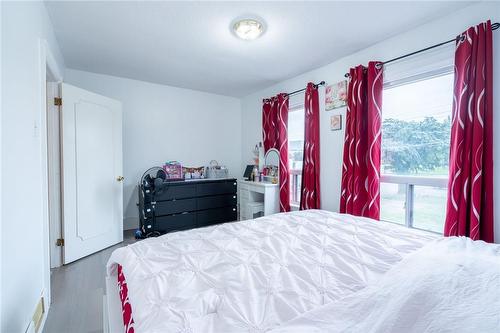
x,y
38,315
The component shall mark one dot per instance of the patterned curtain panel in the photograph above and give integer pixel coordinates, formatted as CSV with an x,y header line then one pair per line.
x,y
360,191
470,185
275,135
282,101
310,191
269,123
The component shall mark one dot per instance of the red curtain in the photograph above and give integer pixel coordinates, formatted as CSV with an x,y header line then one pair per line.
x,y
310,191
269,123
283,150
275,135
360,189
470,186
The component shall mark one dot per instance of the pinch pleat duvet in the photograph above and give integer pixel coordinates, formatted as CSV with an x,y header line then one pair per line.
x,y
256,275
450,285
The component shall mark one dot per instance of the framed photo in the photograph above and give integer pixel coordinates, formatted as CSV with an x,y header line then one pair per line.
x,y
336,95
336,122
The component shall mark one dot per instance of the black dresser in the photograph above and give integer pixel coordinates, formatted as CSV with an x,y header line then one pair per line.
x,y
181,205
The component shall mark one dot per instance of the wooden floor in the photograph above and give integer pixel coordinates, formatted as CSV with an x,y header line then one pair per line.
x,y
77,291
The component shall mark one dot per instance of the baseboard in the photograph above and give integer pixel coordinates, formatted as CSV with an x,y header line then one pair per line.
x,y
31,328
130,223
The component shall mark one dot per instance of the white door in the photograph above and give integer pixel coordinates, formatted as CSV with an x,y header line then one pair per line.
x,y
92,172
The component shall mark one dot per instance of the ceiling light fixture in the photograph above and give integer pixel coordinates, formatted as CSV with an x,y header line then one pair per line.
x,y
248,29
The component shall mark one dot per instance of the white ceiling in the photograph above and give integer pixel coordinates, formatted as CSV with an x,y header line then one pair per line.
x,y
190,45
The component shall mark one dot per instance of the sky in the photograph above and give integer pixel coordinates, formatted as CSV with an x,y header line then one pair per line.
x,y
296,125
415,101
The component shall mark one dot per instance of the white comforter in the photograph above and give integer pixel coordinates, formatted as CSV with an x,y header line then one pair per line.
x,y
255,275
451,285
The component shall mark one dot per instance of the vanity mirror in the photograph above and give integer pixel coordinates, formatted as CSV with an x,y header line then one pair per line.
x,y
271,166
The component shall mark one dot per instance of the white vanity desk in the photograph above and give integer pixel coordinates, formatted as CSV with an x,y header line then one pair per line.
x,y
253,195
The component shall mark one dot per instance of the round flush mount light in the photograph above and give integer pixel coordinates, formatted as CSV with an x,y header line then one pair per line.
x,y
248,29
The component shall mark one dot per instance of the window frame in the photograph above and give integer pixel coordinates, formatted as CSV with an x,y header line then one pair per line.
x,y
419,77
408,180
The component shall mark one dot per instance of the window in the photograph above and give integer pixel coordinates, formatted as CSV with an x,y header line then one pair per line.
x,y
416,123
295,151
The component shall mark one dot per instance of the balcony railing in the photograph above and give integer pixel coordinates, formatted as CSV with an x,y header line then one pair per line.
x,y
295,185
417,202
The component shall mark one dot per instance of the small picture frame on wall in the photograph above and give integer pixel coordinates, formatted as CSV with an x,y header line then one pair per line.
x,y
336,95
336,122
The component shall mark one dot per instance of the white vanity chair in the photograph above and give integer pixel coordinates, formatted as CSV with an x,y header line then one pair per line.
x,y
260,198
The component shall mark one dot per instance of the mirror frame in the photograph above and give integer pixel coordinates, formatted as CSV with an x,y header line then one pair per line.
x,y
272,150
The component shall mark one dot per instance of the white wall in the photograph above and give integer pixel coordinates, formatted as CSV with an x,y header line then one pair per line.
x,y
1,75
162,123
332,142
23,277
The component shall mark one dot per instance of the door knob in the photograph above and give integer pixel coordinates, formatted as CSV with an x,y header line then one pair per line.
x,y
120,178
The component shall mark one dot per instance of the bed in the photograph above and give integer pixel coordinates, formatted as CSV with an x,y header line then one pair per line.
x,y
254,275
450,285
309,271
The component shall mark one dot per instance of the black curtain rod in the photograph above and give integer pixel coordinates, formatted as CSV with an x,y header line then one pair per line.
x,y
322,83
494,26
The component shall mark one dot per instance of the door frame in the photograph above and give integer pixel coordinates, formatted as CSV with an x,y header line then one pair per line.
x,y
53,155
48,69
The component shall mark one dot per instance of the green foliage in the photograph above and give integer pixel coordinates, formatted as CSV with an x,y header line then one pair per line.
x,y
415,146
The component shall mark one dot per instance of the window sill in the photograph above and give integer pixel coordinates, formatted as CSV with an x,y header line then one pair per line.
x,y
438,181
412,227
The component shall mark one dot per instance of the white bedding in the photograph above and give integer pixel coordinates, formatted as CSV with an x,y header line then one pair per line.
x,y
451,285
255,275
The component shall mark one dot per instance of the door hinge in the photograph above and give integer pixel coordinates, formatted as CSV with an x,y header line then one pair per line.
x,y
57,101
60,242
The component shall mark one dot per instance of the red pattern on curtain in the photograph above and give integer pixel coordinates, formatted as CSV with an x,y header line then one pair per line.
x,y
310,189
470,186
275,135
360,189
269,122
283,150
